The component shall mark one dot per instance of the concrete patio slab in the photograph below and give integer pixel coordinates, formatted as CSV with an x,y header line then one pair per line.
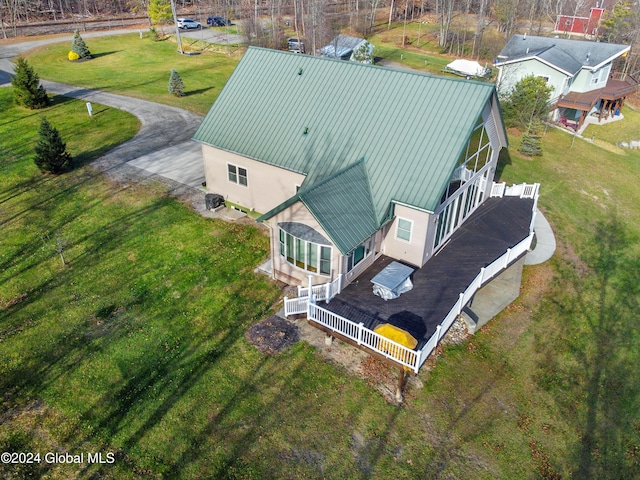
x,y
182,163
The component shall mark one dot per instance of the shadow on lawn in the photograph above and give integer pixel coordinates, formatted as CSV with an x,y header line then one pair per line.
x,y
591,368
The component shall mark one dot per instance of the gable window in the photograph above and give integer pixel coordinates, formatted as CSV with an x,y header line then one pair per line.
x,y
305,254
403,230
237,174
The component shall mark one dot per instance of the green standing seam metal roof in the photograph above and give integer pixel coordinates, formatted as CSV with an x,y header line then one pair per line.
x,y
318,116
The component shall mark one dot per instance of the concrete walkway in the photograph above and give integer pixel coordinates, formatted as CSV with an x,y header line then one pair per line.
x,y
545,240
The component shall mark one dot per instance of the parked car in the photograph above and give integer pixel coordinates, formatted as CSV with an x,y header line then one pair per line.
x,y
218,21
295,45
187,23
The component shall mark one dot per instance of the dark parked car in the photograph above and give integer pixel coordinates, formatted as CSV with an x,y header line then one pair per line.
x,y
218,21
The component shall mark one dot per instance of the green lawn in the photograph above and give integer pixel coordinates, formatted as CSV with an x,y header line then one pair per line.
x,y
137,347
129,65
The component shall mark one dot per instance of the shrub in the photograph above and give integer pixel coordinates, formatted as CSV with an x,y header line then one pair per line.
x,y
27,90
176,87
154,34
78,46
73,56
51,151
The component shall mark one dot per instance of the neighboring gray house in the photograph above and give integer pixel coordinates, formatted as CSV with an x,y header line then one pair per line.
x,y
344,47
580,72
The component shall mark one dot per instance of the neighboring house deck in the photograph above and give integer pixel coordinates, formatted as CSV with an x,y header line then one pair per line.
x,y
611,97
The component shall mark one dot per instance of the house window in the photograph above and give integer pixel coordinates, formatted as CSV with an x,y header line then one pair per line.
x,y
361,252
304,254
403,231
237,174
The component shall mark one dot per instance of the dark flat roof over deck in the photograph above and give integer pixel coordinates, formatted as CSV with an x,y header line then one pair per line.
x,y
498,224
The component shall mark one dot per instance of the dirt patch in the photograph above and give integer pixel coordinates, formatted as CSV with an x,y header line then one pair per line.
x,y
272,335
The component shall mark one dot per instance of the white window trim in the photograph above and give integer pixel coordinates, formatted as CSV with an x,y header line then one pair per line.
x,y
238,167
410,230
319,248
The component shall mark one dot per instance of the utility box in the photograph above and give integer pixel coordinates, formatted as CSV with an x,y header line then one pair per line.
x,y
213,201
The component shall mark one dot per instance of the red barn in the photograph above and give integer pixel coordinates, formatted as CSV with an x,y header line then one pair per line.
x,y
580,25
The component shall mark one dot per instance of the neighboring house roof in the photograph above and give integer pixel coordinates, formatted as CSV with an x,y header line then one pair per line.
x,y
341,47
568,56
402,133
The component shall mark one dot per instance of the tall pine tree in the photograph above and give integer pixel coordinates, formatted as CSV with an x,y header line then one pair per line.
x,y
78,46
27,91
51,151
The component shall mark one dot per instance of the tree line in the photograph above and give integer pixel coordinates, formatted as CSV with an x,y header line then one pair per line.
x,y
460,24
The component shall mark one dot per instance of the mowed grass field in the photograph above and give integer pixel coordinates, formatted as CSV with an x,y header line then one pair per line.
x,y
137,346
139,67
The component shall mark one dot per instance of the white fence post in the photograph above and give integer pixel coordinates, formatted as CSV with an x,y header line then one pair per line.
x,y
506,258
360,327
459,304
312,300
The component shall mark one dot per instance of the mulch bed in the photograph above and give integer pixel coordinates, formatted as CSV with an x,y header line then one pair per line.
x,y
272,335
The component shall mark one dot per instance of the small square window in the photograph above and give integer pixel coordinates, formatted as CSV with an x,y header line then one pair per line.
x,y
403,231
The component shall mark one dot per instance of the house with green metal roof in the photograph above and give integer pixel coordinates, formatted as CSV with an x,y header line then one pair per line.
x,y
346,162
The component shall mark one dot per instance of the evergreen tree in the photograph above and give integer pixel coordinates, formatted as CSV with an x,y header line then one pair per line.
x,y
176,87
531,145
51,151
27,90
527,103
620,24
78,46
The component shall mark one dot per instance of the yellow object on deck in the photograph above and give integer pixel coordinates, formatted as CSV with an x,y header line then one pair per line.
x,y
398,335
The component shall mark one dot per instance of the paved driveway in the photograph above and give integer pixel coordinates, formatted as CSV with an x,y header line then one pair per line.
x,y
163,145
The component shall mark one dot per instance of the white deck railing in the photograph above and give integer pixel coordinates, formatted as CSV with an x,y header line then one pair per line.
x,y
414,359
325,291
522,190
358,333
